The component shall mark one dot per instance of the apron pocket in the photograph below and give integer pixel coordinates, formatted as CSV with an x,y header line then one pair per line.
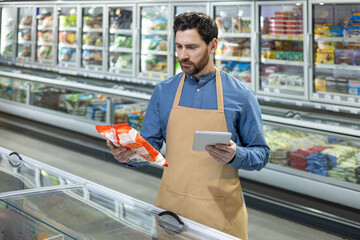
x,y
171,200
209,211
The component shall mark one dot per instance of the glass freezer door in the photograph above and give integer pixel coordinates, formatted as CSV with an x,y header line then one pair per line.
x,y
25,39
67,39
282,68
121,40
181,9
92,38
233,54
154,42
336,53
7,24
45,33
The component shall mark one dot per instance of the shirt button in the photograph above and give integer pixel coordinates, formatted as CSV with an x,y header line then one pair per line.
x,y
198,90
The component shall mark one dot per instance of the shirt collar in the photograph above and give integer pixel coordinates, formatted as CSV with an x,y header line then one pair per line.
x,y
204,79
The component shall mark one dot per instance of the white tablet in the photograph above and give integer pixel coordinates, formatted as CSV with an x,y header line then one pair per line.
x,y
204,138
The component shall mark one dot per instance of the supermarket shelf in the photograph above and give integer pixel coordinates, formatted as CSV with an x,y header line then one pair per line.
x,y
24,27
232,58
283,37
154,52
24,42
121,31
162,75
44,44
234,35
277,88
40,28
64,45
154,32
118,49
95,30
337,39
91,47
281,62
67,29
337,66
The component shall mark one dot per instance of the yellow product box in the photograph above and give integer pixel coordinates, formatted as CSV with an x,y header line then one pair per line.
x,y
325,56
320,85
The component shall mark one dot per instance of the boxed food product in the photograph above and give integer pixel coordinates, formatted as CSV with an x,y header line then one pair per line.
x,y
337,31
245,24
354,30
354,87
355,16
320,84
322,31
325,56
342,85
67,21
344,56
330,84
67,55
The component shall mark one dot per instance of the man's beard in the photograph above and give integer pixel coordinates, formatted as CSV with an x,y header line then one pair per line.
x,y
195,68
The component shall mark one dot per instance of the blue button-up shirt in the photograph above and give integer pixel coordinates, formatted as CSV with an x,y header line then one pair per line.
x,y
242,114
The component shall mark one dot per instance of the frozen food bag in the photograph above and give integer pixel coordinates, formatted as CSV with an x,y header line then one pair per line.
x,y
127,137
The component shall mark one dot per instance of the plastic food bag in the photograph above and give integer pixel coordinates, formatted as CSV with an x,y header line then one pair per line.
x,y
125,136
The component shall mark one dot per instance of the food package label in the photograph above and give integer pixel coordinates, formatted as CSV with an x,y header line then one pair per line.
x,y
122,135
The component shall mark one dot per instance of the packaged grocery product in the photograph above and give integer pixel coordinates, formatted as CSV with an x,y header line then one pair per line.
x,y
354,87
330,84
342,85
320,84
354,30
344,56
322,31
355,16
337,31
127,137
325,56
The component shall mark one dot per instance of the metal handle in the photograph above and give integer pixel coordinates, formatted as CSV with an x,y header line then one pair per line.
x,y
17,164
171,222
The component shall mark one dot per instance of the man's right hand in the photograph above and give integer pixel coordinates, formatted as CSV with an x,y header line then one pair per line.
x,y
121,154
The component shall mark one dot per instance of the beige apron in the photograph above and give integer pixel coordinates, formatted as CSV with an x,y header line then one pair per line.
x,y
195,185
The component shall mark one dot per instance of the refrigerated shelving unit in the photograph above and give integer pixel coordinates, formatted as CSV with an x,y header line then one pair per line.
x,y
117,87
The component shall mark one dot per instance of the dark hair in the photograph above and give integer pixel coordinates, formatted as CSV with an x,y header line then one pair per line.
x,y
204,24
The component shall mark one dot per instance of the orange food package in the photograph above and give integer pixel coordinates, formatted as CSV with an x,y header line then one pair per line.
x,y
127,137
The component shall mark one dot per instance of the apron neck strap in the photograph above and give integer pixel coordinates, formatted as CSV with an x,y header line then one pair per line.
x,y
219,91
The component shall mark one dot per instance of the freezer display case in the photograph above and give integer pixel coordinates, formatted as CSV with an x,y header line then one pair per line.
x,y
7,30
92,55
178,9
45,35
68,207
25,38
154,39
282,70
335,75
233,54
121,40
67,37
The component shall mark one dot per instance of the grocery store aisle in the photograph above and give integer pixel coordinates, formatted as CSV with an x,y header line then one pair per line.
x,y
139,185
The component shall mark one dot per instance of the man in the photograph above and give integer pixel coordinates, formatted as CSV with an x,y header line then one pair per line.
x,y
203,186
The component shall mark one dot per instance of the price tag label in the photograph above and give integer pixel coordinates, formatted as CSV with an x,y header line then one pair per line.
x,y
162,76
335,109
317,106
238,59
267,99
354,111
329,108
315,95
300,38
267,90
49,69
70,73
351,100
267,36
290,37
277,91
277,37
298,103
337,98
150,75
327,97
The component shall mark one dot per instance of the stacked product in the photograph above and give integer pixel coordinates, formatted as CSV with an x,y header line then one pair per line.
x,y
320,163
286,23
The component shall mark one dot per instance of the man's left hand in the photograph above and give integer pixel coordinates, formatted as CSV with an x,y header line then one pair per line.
x,y
222,153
